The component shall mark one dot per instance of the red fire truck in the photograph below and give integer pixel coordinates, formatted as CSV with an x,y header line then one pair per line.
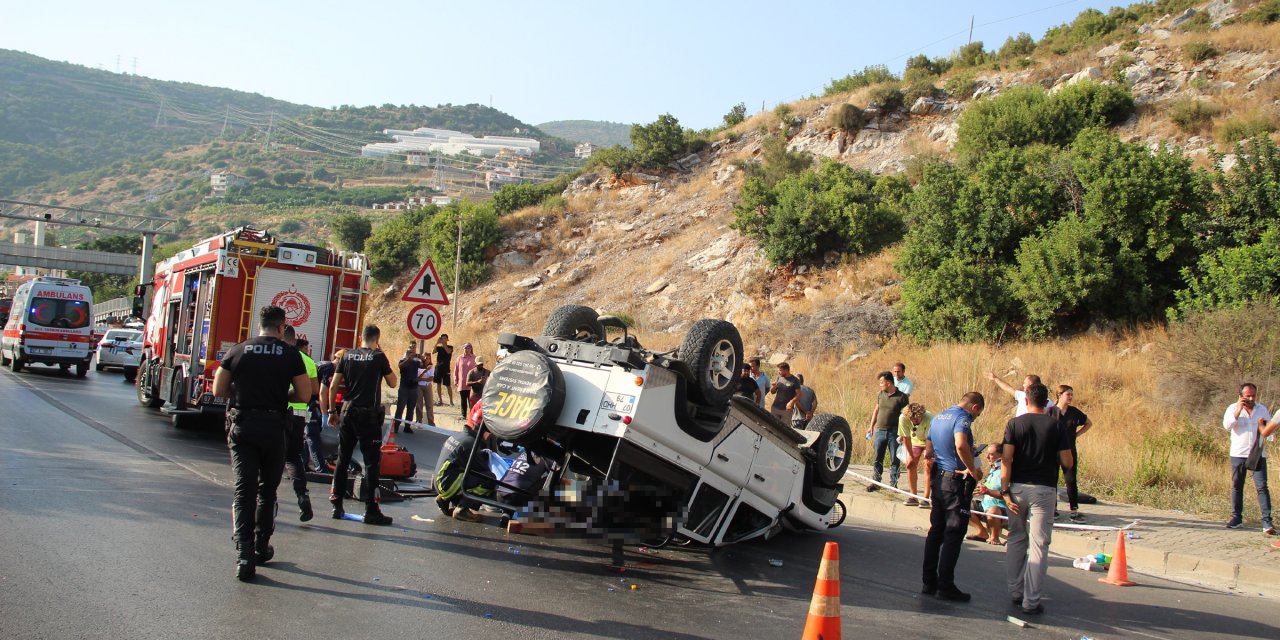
x,y
206,300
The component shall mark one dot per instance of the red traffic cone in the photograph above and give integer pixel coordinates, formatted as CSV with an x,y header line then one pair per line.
x,y
824,610
1118,574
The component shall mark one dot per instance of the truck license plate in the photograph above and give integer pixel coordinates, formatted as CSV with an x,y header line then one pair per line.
x,y
620,402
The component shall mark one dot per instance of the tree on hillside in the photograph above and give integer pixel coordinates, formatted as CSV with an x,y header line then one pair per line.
x,y
736,115
480,231
352,230
659,142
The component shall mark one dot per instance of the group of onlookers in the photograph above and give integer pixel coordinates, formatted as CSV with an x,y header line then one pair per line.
x,y
794,402
418,371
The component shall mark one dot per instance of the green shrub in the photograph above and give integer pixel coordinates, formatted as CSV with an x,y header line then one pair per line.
x,y
832,208
873,74
1205,348
1026,115
1246,127
1200,22
351,230
659,142
971,55
886,96
962,85
480,231
1232,277
736,115
1192,115
1118,67
783,112
513,197
1018,46
289,226
917,90
1199,51
776,162
393,247
254,173
1265,12
847,117
922,65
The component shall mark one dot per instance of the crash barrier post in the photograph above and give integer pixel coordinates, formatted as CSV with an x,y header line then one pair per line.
x,y
823,622
1118,574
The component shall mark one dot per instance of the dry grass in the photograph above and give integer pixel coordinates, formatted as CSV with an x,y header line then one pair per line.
x,y
1056,66
1236,37
1140,448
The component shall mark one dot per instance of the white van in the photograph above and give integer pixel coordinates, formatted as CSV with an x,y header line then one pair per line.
x,y
51,323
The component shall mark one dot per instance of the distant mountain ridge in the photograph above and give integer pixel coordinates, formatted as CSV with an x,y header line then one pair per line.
x,y
597,132
58,118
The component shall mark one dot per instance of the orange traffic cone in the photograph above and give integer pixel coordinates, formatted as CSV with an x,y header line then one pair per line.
x,y
1118,574
824,610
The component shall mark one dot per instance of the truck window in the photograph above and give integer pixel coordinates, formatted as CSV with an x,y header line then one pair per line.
x,y
57,313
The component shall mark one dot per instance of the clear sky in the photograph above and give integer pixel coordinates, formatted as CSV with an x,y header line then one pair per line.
x,y
620,61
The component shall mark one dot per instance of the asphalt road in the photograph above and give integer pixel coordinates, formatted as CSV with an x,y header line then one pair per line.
x,y
117,525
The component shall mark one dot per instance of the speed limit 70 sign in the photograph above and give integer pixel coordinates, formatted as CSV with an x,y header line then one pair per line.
x,y
424,322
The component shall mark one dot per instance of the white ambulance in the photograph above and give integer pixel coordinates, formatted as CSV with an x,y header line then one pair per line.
x,y
51,323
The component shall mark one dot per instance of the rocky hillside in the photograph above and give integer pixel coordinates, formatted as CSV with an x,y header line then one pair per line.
x,y
660,249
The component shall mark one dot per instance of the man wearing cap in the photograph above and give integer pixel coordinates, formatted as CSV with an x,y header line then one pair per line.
x,y
476,380
462,374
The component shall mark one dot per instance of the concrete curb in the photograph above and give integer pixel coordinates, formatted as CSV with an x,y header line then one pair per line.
x,y
1143,559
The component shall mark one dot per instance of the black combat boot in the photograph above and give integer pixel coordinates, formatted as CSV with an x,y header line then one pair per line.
x,y
336,502
244,562
304,506
374,515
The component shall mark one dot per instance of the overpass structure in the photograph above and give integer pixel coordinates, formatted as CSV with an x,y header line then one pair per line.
x,y
79,259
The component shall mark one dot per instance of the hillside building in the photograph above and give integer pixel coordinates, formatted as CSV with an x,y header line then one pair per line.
x,y
584,150
417,145
221,181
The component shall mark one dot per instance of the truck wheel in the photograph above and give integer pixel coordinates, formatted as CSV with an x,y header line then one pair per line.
x,y
148,395
832,447
97,366
82,369
523,397
15,364
713,350
574,321
177,392
4,360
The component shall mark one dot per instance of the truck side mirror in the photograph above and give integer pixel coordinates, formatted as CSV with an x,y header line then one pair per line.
x,y
137,306
139,292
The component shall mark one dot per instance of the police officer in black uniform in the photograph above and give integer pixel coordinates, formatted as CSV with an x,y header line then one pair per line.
x,y
256,375
360,371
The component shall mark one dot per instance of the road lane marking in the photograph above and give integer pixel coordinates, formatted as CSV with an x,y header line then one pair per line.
x,y
112,433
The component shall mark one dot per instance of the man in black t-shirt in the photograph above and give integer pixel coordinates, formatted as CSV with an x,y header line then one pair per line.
x,y
1034,448
407,393
255,376
361,371
747,386
476,380
444,360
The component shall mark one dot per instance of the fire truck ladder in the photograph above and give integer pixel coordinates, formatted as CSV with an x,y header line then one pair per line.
x,y
350,303
246,304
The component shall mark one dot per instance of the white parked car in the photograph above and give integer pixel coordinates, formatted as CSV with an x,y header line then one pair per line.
x,y
120,349
654,444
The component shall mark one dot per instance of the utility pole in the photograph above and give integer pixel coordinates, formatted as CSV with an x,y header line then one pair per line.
x,y
226,114
271,122
970,30
160,113
457,273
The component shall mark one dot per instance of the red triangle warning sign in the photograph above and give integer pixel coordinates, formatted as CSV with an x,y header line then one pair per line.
x,y
426,287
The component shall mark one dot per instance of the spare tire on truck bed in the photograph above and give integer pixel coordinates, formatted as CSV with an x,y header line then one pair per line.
x,y
523,397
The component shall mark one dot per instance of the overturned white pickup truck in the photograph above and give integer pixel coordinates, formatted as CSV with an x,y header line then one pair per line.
x,y
655,445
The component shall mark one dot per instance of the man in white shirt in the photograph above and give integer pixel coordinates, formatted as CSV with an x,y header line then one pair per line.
x,y
1247,420
762,379
900,379
1019,395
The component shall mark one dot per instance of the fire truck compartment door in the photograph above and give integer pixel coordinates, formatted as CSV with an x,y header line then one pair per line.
x,y
304,298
